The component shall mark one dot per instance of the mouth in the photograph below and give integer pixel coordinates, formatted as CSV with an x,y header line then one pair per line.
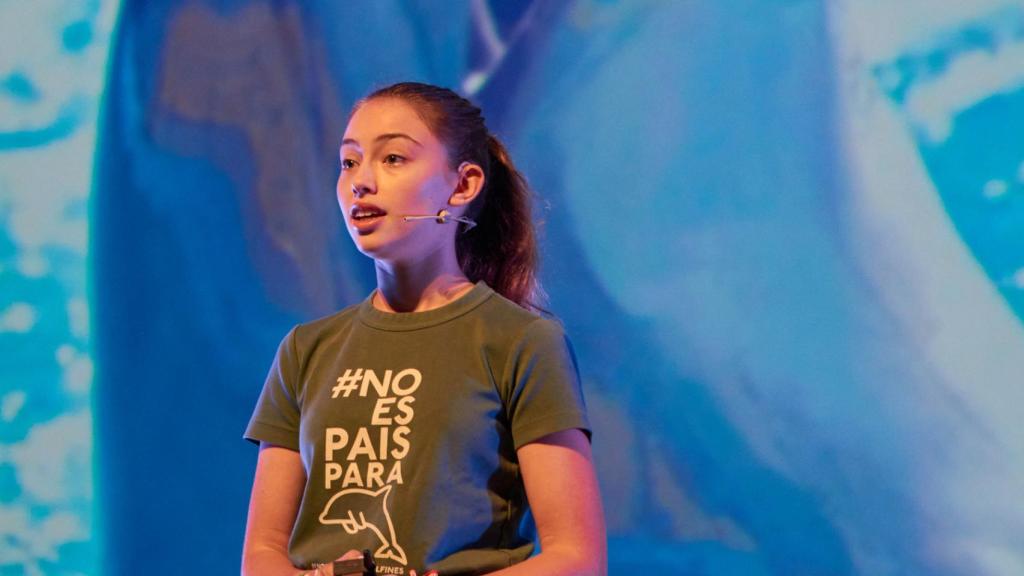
x,y
364,215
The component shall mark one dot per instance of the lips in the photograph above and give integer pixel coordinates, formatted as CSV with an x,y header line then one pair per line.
x,y
365,211
365,216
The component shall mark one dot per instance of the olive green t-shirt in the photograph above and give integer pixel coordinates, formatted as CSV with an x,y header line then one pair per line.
x,y
408,425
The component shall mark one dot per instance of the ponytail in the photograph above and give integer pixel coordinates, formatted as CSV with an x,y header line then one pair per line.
x,y
502,249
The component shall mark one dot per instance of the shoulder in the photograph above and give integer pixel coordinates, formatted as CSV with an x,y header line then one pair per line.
x,y
306,336
518,332
514,320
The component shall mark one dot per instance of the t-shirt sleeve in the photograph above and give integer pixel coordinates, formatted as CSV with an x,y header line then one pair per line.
x,y
276,417
545,395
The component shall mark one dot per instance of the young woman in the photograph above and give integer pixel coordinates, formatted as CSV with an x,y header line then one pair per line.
x,y
440,422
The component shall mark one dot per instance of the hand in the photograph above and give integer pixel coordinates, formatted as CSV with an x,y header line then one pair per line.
x,y
350,555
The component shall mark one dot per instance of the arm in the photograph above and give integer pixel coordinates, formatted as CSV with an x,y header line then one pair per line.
x,y
276,491
562,488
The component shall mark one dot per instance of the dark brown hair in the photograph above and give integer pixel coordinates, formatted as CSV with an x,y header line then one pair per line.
x,y
502,249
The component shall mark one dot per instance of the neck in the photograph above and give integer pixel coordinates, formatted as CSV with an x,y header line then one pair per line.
x,y
428,283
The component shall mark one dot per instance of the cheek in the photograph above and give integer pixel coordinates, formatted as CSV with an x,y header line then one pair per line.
x,y
340,188
436,190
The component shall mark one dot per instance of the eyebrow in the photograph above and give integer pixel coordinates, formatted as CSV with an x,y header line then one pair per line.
x,y
383,138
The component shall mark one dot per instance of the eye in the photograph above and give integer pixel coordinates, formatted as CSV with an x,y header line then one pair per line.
x,y
393,159
348,164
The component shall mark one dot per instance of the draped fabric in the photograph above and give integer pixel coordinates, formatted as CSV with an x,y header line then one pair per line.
x,y
789,265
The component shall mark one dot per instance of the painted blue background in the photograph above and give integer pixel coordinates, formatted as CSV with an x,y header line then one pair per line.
x,y
786,238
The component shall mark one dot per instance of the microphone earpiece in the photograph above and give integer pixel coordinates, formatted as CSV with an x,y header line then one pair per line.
x,y
443,216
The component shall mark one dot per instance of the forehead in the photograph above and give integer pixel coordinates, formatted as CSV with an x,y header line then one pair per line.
x,y
387,116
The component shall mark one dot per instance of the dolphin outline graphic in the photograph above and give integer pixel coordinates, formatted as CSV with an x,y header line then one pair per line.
x,y
389,547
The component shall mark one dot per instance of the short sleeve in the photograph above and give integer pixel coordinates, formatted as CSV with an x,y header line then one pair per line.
x,y
276,417
545,395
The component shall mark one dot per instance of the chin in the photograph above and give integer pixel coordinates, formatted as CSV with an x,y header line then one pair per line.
x,y
396,245
371,249
373,246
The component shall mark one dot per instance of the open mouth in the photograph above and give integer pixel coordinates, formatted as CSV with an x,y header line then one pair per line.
x,y
365,214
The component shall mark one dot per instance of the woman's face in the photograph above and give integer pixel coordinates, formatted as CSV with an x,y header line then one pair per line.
x,y
393,166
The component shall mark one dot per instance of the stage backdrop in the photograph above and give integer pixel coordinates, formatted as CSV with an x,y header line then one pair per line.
x,y
786,239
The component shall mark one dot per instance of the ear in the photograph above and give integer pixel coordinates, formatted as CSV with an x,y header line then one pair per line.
x,y
469,185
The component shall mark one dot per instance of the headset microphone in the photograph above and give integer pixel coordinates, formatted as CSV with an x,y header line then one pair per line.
x,y
442,217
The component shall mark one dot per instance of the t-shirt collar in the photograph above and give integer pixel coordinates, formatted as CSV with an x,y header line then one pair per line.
x,y
399,321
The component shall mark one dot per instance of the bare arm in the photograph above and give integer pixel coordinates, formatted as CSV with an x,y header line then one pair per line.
x,y
276,491
558,473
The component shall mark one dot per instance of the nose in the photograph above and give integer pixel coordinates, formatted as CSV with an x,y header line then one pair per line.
x,y
363,181
360,191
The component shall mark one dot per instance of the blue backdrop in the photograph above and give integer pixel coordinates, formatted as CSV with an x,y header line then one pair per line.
x,y
786,239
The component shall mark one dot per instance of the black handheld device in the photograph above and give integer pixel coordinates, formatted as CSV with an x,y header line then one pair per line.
x,y
364,566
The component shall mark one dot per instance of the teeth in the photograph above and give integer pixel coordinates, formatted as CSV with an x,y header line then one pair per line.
x,y
366,214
